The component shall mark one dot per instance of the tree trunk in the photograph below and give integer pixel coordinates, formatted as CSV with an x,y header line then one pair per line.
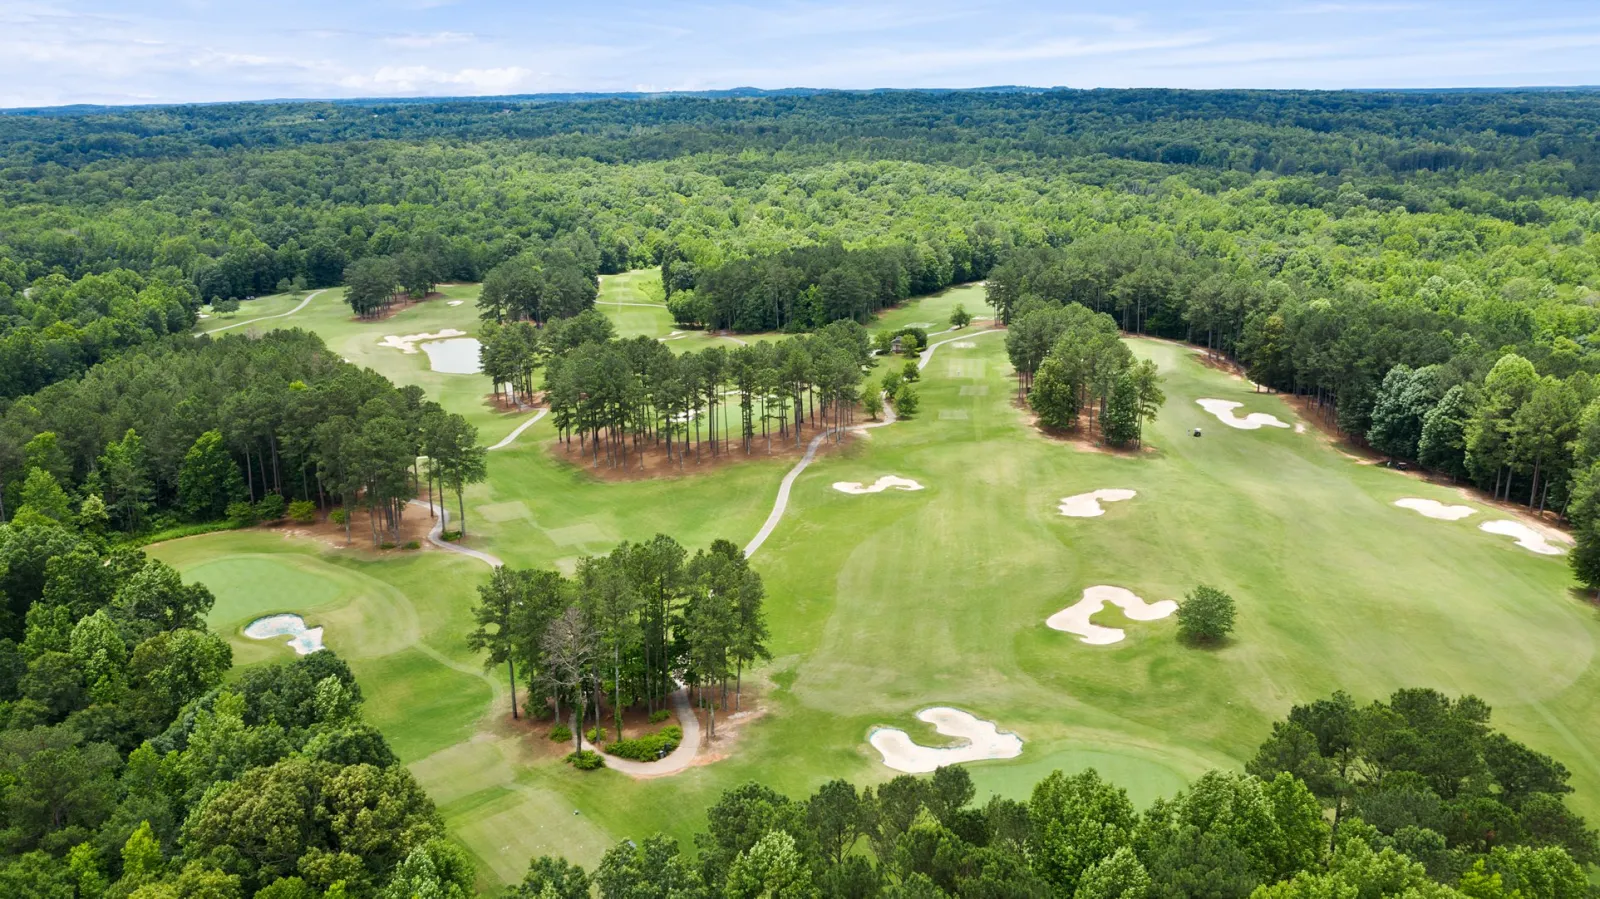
x,y
511,664
462,508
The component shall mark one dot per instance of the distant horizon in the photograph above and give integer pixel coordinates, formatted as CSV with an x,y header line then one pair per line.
x,y
751,92
56,53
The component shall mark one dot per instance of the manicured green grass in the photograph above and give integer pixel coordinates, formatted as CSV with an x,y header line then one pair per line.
x,y
883,604
932,313
400,620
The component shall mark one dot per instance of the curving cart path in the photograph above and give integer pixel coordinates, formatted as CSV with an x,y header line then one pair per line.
x,y
434,536
782,502
303,303
678,759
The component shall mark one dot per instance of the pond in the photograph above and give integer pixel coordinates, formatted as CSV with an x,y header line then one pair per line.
x,y
456,356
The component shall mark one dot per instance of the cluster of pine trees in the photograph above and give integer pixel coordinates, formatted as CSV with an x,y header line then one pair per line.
x,y
807,287
130,769
1069,360
1427,802
628,628
184,429
616,396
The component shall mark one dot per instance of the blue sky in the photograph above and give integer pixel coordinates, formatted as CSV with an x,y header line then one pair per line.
x,y
141,51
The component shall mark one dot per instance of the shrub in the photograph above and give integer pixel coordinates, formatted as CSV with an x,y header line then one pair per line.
x,y
595,735
451,536
649,747
338,516
586,760
270,508
412,544
560,733
386,545
1205,616
241,514
659,715
303,511
960,317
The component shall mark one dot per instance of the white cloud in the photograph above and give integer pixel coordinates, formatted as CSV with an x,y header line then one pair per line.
x,y
393,79
423,41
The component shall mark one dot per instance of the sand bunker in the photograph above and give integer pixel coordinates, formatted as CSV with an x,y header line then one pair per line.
x,y
978,740
408,343
878,486
1527,537
456,356
1074,619
455,302
1434,508
1087,505
304,640
1223,410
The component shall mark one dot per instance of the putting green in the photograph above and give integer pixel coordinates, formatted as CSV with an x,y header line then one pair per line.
x,y
886,604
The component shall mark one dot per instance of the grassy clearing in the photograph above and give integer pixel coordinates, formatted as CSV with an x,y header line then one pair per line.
x,y
883,604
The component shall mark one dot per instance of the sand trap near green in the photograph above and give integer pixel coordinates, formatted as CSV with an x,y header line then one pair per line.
x,y
886,482
407,343
976,740
1432,508
1223,410
1087,505
1074,619
303,640
1526,537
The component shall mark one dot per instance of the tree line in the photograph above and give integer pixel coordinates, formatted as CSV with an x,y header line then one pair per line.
x,y
185,429
626,628
807,287
133,765
1428,802
1070,360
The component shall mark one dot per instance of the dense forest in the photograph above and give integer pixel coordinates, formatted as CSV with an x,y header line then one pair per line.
x,y
131,765
238,429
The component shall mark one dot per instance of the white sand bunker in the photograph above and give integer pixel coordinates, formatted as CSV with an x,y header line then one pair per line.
x,y
1223,410
456,356
878,486
1527,537
455,302
1074,619
407,343
1087,505
1434,508
977,740
304,640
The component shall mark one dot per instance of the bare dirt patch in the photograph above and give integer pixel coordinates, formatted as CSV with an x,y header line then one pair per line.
x,y
650,460
414,526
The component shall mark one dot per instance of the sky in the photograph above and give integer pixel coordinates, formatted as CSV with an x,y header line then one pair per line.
x,y
175,51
